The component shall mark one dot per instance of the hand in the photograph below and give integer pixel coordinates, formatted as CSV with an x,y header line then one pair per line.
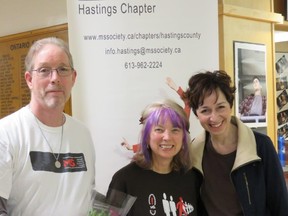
x,y
171,83
126,144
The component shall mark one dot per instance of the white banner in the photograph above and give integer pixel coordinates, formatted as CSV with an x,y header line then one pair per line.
x,y
123,53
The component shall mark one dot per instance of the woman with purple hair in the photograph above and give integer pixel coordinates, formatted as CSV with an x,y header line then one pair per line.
x,y
159,174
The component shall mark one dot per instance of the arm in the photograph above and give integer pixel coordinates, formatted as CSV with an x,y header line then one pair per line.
x,y
134,147
171,84
126,144
3,207
277,196
181,93
117,182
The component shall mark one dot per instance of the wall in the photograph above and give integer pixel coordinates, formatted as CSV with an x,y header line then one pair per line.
x,y
253,22
281,46
244,20
18,16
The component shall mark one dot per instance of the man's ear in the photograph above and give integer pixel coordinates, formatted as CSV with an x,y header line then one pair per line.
x,y
28,78
74,75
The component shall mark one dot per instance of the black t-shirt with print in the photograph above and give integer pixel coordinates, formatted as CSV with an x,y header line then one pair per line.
x,y
175,193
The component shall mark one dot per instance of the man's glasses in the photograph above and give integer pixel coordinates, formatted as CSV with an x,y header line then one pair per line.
x,y
44,72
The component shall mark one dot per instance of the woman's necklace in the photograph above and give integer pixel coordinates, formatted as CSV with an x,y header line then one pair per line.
x,y
57,162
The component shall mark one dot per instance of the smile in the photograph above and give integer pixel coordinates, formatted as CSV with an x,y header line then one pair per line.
x,y
166,146
216,125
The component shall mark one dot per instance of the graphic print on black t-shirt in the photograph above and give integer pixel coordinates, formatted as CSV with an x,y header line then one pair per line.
x,y
175,194
170,206
70,162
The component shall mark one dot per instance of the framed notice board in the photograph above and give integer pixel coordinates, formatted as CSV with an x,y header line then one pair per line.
x,y
14,92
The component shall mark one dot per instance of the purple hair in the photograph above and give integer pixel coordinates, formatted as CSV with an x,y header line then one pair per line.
x,y
157,114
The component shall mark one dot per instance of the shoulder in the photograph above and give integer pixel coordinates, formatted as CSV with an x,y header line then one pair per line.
x,y
74,121
127,175
126,170
195,173
75,126
262,139
16,119
191,177
265,148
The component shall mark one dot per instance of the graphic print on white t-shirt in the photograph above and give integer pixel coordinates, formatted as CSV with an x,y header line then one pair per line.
x,y
70,162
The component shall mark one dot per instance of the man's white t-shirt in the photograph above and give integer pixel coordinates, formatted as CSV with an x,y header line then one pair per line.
x,y
29,179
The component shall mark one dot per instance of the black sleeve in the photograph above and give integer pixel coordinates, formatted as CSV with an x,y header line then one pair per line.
x,y
3,207
276,189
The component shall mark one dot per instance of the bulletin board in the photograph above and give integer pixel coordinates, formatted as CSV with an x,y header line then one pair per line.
x,y
282,92
14,92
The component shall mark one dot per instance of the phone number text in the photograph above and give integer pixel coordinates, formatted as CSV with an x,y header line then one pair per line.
x,y
143,65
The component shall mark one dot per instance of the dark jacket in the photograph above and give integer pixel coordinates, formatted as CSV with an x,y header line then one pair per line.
x,y
256,174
